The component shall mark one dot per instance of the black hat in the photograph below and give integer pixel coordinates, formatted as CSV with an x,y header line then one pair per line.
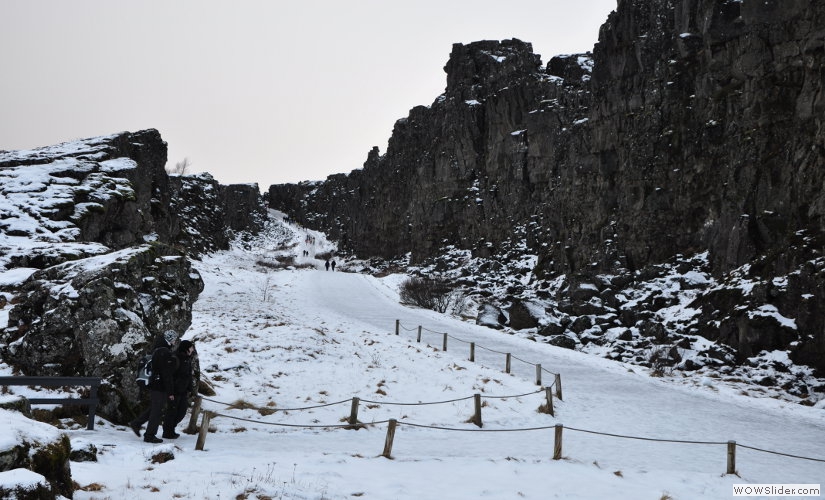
x,y
185,345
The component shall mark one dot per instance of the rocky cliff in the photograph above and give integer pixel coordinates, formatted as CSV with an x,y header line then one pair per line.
x,y
95,247
693,125
694,128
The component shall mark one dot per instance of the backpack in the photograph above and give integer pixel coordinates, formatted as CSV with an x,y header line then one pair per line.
x,y
144,371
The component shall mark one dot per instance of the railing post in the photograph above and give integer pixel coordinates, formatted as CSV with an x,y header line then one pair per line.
x,y
92,406
548,391
353,414
477,416
193,418
203,431
558,386
557,446
445,342
507,363
390,436
538,374
731,457
419,334
472,351
397,326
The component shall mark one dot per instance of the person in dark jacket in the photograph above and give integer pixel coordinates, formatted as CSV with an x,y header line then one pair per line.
x,y
161,387
182,386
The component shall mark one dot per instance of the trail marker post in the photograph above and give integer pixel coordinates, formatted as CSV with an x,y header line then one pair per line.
x,y
477,404
557,446
387,453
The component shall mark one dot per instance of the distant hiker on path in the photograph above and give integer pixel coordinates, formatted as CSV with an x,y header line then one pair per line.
x,y
333,266
327,265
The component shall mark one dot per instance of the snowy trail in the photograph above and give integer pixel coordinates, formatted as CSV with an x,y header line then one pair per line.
x,y
292,339
596,392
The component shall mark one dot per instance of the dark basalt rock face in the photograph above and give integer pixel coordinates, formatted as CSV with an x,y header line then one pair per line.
x,y
95,317
244,208
107,235
694,126
110,190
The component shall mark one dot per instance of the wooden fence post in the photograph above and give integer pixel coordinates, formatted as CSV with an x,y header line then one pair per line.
x,y
558,386
353,414
507,364
477,416
548,391
397,326
90,425
390,436
193,418
419,334
731,457
472,351
203,431
538,374
445,341
557,447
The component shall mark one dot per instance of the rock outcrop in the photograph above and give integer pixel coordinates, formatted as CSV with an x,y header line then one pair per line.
x,y
695,127
96,239
244,208
96,316
37,463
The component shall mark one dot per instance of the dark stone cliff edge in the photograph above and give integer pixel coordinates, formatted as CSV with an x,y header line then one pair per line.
x,y
694,126
106,236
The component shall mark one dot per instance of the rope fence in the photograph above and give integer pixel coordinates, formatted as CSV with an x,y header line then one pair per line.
x,y
355,402
352,421
558,431
508,357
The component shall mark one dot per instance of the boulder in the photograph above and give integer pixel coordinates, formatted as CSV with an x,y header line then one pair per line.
x,y
94,316
491,316
38,448
524,314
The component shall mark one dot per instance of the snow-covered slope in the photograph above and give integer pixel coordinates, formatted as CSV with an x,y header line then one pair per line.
x,y
287,350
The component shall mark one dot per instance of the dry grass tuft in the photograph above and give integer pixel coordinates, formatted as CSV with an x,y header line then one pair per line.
x,y
91,487
162,457
240,404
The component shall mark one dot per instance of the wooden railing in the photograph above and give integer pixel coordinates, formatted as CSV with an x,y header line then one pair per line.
x,y
92,382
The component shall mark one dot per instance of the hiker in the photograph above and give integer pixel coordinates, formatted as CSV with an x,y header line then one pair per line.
x,y
176,409
327,264
161,388
333,266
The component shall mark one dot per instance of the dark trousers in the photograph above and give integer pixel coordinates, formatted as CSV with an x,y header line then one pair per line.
x,y
154,415
175,412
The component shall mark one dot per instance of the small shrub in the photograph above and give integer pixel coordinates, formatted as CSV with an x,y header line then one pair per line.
x,y
431,293
661,362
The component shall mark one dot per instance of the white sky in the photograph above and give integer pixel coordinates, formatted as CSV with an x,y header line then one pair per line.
x,y
252,91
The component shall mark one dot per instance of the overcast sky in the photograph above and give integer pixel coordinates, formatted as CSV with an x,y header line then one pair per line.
x,y
252,90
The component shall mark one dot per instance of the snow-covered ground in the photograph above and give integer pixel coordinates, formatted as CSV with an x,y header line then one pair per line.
x,y
287,350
